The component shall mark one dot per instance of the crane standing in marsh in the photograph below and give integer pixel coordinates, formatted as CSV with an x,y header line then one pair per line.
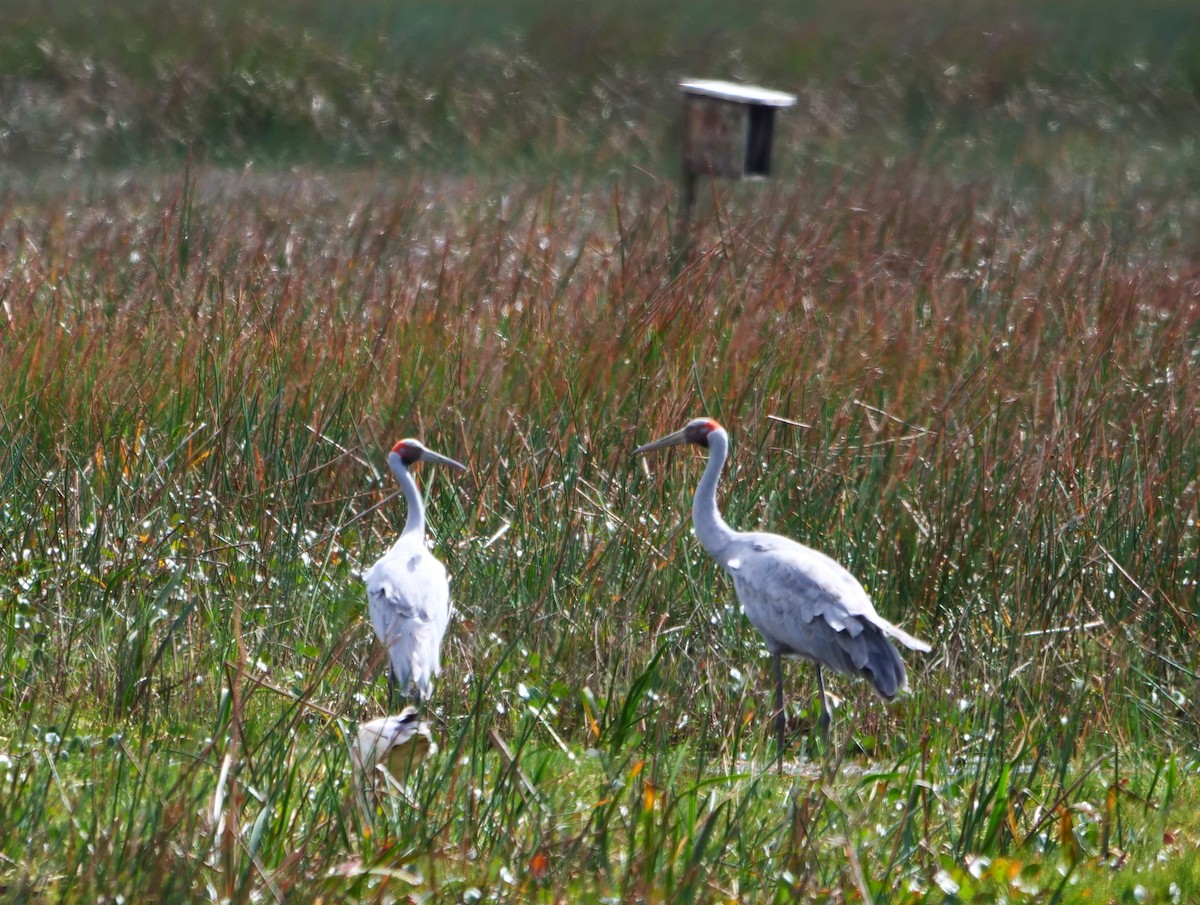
x,y
805,604
408,594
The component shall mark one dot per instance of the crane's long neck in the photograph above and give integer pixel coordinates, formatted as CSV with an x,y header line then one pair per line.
x,y
714,534
415,524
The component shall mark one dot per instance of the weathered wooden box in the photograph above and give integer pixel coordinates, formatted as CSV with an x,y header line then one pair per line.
x,y
728,128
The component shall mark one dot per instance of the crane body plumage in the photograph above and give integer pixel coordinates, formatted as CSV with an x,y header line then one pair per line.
x,y
408,592
803,603
408,598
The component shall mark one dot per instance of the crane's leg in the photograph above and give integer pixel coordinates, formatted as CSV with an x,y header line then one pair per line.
x,y
823,720
394,690
780,718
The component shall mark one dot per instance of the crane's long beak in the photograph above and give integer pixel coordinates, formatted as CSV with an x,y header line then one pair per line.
x,y
675,439
430,456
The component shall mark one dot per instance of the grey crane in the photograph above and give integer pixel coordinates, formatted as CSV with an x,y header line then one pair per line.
x,y
408,594
806,605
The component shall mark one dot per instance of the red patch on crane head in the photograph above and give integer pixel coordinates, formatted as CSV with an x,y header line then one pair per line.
x,y
697,431
408,450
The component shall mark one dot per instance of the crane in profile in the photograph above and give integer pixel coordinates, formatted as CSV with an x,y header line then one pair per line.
x,y
408,594
806,605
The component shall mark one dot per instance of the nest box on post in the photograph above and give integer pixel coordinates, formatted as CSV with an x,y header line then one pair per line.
x,y
727,131
727,128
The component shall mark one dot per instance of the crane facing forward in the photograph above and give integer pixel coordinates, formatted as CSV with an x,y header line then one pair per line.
x,y
805,604
408,595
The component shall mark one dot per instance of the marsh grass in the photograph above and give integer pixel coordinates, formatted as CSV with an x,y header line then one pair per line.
x,y
977,405
955,348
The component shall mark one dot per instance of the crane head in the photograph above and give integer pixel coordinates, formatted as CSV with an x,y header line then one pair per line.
x,y
696,431
410,451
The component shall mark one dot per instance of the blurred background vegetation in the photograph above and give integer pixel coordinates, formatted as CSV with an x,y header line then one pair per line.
x,y
467,86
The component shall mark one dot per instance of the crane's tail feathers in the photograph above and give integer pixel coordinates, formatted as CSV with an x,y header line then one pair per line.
x,y
909,641
868,654
885,669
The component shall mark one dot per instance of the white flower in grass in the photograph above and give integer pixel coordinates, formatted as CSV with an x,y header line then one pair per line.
x,y
946,883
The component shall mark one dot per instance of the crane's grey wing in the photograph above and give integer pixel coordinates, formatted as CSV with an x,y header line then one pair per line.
x,y
408,597
806,604
820,585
